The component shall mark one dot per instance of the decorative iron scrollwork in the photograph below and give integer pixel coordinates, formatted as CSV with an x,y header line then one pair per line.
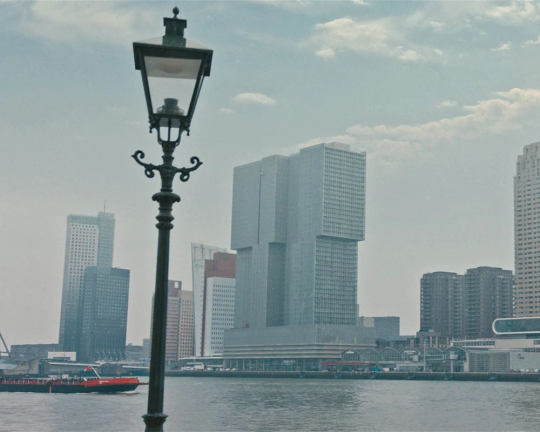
x,y
148,168
185,172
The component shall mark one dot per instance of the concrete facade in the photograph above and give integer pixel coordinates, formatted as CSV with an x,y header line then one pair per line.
x,y
296,223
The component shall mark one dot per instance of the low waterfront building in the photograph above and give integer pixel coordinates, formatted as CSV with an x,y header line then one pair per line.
x,y
515,347
146,348
502,361
134,352
29,351
386,328
304,347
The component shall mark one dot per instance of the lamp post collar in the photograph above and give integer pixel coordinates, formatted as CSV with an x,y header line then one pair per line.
x,y
174,30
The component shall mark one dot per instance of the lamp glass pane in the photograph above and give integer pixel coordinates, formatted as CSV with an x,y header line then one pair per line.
x,y
171,78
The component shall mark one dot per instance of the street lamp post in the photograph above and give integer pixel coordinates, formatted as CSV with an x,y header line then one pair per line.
x,y
173,69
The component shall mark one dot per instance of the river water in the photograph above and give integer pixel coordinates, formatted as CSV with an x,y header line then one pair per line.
x,y
246,404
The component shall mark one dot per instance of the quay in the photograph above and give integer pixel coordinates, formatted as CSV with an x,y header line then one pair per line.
x,y
414,376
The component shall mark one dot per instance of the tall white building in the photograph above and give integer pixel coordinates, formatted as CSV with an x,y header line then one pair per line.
x,y
89,242
527,232
219,313
199,254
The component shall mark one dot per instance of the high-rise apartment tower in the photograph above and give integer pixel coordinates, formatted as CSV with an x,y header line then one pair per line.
x,y
527,232
442,307
488,296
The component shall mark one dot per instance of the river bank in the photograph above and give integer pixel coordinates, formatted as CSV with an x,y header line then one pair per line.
x,y
415,376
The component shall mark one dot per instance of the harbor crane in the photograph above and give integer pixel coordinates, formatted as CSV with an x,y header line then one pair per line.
x,y
5,346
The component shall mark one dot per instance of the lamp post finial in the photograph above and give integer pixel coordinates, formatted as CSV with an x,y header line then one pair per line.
x,y
176,11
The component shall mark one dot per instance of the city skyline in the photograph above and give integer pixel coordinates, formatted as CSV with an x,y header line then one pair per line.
x,y
441,157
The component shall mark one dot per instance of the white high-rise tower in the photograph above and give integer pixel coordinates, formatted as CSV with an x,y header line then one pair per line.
x,y
527,232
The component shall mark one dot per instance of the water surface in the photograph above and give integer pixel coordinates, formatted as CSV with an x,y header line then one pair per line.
x,y
246,404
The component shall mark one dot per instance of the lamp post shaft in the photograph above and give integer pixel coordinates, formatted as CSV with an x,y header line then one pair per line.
x,y
155,418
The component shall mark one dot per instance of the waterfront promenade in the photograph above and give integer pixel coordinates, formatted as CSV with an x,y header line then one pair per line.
x,y
401,376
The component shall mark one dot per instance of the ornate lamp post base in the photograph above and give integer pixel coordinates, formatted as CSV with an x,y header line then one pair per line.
x,y
154,422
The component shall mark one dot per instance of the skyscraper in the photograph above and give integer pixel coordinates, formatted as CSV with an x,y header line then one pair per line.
x,y
213,290
89,242
488,296
527,232
296,224
104,310
442,304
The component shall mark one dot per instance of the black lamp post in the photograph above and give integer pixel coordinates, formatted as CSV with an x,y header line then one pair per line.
x,y
172,69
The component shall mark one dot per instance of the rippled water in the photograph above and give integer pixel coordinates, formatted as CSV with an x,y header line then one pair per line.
x,y
236,404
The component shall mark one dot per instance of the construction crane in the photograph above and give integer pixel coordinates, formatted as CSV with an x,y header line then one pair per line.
x,y
5,346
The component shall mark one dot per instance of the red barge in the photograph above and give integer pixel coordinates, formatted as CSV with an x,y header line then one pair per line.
x,y
71,385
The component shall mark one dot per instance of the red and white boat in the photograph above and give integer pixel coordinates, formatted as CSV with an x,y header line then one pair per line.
x,y
69,385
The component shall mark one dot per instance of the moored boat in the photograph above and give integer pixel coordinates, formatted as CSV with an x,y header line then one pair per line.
x,y
71,385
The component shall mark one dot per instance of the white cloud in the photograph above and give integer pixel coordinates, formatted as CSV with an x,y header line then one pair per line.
x,y
110,23
515,13
326,53
386,37
504,46
257,98
226,111
388,147
360,2
400,37
531,43
446,104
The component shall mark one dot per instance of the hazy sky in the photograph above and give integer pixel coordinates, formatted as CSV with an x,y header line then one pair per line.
x,y
441,95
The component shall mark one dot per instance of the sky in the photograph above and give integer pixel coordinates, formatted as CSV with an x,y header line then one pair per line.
x,y
441,95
